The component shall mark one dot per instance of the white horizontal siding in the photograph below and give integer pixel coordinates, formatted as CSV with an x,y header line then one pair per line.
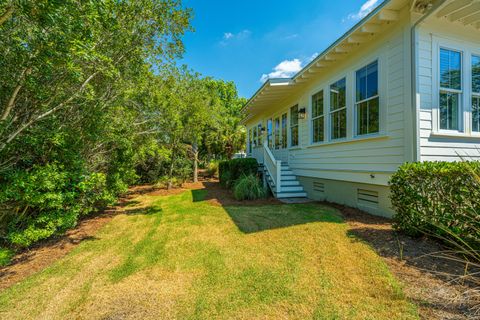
x,y
435,147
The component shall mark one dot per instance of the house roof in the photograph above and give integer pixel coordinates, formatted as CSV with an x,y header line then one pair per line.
x,y
276,90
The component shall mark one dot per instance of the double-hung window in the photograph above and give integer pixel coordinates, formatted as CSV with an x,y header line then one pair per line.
x,y
338,109
476,93
260,140
284,131
294,126
450,89
367,105
250,140
277,133
317,117
255,136
269,133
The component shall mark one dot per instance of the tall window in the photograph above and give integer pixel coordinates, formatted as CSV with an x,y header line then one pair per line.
x,y
269,133
277,133
338,109
476,93
250,140
284,130
294,126
450,88
317,117
254,136
367,106
260,135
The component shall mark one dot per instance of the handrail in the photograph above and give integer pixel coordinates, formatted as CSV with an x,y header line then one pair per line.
x,y
273,166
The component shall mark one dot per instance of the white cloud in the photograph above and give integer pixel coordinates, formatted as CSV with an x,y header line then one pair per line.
x,y
288,68
284,69
366,8
229,36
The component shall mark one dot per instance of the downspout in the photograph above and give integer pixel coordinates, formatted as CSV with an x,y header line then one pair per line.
x,y
414,88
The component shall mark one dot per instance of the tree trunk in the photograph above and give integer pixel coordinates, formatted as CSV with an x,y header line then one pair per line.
x,y
172,164
195,162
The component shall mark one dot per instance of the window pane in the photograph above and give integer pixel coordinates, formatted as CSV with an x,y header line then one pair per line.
x,y
476,114
339,124
373,116
450,69
362,118
338,94
317,104
476,74
294,136
284,130
294,115
318,125
449,111
372,79
269,132
277,133
361,84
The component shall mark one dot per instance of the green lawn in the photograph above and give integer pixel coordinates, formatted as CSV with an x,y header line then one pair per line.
x,y
180,257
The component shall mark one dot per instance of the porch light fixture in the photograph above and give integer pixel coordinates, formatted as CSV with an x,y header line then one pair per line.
x,y
302,113
263,129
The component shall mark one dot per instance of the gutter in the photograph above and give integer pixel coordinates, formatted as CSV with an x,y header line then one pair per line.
x,y
414,88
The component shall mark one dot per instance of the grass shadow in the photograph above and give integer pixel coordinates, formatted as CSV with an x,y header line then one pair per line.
x,y
264,214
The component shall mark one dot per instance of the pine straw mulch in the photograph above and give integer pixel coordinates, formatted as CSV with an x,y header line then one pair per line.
x,y
428,280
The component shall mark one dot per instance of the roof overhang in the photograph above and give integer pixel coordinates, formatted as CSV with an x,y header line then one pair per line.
x,y
274,91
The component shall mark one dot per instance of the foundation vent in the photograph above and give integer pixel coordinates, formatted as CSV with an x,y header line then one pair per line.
x,y
367,197
319,187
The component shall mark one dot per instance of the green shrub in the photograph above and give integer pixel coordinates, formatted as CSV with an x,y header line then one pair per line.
x,y
212,169
6,255
249,188
438,198
230,171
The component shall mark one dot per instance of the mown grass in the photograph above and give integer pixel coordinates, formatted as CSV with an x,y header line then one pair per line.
x,y
184,258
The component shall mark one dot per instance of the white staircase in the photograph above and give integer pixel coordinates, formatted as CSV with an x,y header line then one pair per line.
x,y
280,178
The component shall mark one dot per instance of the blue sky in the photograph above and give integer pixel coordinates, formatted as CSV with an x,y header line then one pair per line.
x,y
247,41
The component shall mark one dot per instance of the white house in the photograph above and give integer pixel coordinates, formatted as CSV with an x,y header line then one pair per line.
x,y
402,85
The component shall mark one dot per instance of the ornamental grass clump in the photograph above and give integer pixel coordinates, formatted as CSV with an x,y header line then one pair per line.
x,y
249,188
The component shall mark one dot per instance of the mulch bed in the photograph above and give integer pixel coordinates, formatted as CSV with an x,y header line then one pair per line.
x,y
427,279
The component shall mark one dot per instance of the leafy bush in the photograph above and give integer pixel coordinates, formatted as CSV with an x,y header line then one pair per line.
x,y
6,255
48,200
230,171
249,188
212,169
440,199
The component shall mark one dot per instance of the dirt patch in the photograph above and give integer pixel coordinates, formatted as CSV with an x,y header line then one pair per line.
x,y
430,281
47,252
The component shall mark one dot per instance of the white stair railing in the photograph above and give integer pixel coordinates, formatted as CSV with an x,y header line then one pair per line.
x,y
274,167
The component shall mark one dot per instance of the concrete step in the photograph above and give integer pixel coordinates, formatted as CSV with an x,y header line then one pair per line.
x,y
290,188
291,195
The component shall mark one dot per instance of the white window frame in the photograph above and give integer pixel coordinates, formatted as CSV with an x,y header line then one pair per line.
x,y
378,96
325,137
331,112
289,131
467,50
473,94
461,92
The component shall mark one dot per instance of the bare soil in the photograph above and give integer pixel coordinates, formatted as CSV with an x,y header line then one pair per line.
x,y
427,278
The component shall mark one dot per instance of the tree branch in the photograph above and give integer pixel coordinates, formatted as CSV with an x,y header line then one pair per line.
x,y
4,17
11,101
46,114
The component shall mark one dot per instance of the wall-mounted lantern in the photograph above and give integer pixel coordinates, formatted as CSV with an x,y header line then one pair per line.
x,y
263,129
302,113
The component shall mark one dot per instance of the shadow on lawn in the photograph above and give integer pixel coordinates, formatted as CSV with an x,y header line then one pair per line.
x,y
264,214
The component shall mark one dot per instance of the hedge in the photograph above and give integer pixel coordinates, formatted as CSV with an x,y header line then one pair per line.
x,y
231,170
438,198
